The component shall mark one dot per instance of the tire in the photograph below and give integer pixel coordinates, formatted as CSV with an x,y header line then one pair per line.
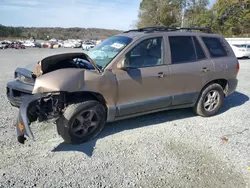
x,y
202,106
76,113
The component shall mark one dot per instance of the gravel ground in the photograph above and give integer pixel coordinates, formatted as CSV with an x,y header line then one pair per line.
x,y
166,149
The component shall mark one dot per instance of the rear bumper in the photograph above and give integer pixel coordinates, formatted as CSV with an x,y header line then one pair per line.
x,y
16,91
231,87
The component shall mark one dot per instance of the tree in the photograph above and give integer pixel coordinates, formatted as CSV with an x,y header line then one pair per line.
x,y
10,31
232,16
226,17
198,15
172,12
159,12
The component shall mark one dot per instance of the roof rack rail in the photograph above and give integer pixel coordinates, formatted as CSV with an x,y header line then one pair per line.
x,y
166,28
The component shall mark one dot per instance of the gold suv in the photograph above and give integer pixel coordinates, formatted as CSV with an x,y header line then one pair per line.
x,y
134,73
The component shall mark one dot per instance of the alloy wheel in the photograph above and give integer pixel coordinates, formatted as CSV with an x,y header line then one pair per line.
x,y
85,123
211,100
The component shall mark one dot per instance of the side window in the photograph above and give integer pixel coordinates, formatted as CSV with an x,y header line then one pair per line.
x,y
215,47
147,53
199,51
182,49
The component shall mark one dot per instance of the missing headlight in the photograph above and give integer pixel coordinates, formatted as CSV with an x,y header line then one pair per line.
x,y
50,106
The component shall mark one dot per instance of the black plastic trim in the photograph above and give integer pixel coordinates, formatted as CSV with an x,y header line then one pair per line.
x,y
23,115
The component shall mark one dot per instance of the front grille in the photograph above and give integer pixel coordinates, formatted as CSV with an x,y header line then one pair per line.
x,y
18,94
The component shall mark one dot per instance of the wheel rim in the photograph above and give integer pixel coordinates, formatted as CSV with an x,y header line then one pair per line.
x,y
85,123
211,100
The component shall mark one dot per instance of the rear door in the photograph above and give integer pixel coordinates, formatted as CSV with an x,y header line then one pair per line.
x,y
221,56
189,67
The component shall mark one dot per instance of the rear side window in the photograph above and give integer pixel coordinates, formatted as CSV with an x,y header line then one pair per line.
x,y
182,49
215,47
199,51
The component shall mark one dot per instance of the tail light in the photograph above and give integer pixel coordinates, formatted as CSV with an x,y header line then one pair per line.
x,y
237,67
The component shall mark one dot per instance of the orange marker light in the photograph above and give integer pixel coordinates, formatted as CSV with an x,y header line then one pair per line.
x,y
21,127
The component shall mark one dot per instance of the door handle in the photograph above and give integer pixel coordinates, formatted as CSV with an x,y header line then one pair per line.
x,y
205,69
161,74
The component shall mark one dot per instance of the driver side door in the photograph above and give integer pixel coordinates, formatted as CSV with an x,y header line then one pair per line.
x,y
142,85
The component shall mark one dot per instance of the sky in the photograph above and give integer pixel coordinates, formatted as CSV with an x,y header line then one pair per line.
x,y
108,14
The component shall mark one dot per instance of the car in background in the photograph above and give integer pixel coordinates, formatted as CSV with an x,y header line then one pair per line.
x,y
28,44
4,45
45,44
60,43
78,45
241,50
87,45
17,45
68,44
72,43
38,45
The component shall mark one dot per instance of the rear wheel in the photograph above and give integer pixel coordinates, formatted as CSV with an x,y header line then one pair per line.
x,y
81,122
210,101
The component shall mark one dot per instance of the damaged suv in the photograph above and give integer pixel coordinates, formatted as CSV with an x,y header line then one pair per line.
x,y
134,73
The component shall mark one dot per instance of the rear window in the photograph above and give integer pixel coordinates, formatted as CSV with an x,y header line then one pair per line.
x,y
215,47
182,49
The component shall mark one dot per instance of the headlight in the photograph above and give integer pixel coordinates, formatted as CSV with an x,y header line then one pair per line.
x,y
20,77
23,78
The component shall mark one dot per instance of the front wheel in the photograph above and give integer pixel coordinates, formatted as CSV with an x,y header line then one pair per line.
x,y
210,101
81,122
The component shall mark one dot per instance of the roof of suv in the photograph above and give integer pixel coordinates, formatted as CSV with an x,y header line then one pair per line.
x,y
137,33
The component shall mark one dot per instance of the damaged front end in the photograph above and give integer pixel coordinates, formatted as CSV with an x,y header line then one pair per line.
x,y
52,78
38,107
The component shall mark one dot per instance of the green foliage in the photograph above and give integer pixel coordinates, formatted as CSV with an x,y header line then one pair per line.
x,y
58,33
158,12
227,17
10,31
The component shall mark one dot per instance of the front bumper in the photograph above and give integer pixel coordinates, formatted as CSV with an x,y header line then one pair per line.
x,y
16,91
41,107
23,121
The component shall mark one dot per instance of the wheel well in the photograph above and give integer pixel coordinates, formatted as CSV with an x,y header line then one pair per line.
x,y
85,95
221,82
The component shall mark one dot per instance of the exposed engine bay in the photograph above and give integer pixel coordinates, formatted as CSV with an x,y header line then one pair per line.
x,y
62,61
49,107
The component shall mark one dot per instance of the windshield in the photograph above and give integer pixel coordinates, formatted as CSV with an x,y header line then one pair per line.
x,y
103,53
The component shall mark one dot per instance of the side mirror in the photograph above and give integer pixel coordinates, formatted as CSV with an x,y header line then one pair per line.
x,y
123,64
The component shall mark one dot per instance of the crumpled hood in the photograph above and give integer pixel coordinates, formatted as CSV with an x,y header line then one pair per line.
x,y
60,80
68,80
